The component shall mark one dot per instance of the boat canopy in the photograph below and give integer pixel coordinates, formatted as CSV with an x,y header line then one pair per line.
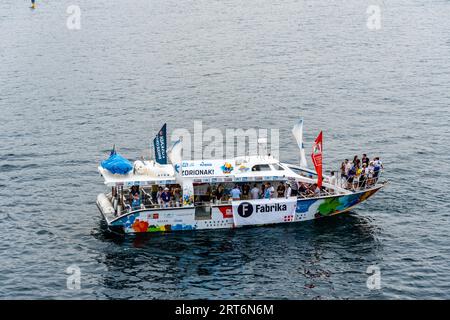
x,y
132,179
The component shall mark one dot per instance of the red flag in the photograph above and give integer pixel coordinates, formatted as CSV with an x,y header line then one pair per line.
x,y
316,156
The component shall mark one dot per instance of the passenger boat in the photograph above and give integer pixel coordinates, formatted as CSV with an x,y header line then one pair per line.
x,y
200,194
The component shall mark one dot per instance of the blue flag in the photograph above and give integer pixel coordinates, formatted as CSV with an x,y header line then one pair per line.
x,y
160,145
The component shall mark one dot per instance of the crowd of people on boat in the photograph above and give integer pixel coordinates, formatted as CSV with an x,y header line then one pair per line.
x,y
266,190
358,173
164,197
247,191
171,195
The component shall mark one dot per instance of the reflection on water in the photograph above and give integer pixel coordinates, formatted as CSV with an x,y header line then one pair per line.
x,y
230,263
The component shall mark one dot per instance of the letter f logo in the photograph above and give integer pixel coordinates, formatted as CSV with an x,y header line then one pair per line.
x,y
245,209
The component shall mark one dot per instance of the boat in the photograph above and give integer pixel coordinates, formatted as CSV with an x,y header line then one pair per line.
x,y
199,191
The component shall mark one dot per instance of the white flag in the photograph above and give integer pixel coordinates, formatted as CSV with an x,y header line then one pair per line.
x,y
297,131
175,157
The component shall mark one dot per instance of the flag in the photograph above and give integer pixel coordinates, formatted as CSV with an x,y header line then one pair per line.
x,y
175,157
316,156
160,145
297,131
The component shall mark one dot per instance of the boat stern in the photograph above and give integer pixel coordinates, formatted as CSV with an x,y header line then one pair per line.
x,y
106,208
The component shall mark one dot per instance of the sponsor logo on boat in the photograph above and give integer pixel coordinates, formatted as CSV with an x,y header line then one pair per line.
x,y
264,211
271,207
206,168
243,168
198,172
227,168
245,209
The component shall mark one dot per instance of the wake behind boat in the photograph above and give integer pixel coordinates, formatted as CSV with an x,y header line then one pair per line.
x,y
153,196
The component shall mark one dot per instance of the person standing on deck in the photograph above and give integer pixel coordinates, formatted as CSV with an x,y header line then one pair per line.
x,y
235,193
254,192
263,191
377,166
135,202
269,191
348,166
333,180
351,176
363,176
245,192
281,190
294,188
133,192
302,189
288,191
158,197
165,197
370,171
33,4
343,175
177,196
365,159
377,162
154,193
219,193
357,175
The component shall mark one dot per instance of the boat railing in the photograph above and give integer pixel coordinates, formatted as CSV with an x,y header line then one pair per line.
x,y
321,193
146,203
358,182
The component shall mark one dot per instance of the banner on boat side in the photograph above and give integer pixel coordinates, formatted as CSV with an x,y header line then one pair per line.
x,y
160,145
207,168
264,211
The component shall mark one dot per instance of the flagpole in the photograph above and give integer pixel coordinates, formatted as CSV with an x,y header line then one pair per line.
x,y
151,145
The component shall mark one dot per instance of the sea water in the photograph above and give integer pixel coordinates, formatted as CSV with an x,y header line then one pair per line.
x,y
68,94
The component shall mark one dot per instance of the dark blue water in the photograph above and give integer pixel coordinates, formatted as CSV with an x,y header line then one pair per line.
x,y
67,95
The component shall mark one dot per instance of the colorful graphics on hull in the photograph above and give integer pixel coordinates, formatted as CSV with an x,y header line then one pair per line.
x,y
140,226
308,208
304,205
132,224
227,211
329,206
188,200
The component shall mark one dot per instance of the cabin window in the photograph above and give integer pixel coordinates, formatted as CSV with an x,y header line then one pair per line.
x,y
261,167
277,167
